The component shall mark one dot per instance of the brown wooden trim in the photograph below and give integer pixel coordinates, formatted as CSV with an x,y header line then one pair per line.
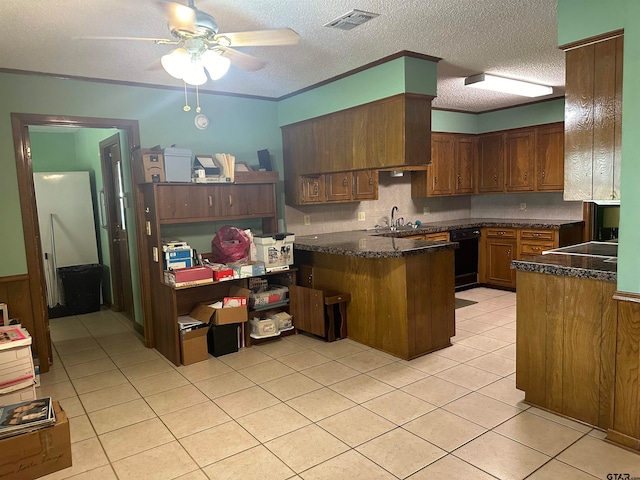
x,y
140,329
587,215
622,440
403,53
131,84
591,40
14,278
523,104
626,296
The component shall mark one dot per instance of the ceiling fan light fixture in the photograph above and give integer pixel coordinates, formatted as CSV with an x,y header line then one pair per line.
x,y
176,62
216,64
507,85
194,74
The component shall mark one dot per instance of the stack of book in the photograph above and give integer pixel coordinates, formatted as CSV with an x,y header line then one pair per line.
x,y
23,417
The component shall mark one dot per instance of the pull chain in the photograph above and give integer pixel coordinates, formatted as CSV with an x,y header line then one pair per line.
x,y
186,107
198,109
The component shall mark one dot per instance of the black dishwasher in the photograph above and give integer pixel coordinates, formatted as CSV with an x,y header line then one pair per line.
x,y
466,257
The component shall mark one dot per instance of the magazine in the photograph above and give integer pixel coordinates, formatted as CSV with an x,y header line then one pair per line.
x,y
14,336
26,416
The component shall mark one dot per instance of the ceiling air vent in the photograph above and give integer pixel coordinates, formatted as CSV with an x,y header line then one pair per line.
x,y
351,20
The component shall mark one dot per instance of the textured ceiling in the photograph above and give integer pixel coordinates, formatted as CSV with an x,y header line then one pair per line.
x,y
515,38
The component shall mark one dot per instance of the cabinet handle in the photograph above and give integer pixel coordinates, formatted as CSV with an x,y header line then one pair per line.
x,y
459,179
371,181
495,178
500,233
344,182
535,249
210,201
509,254
544,173
435,180
230,201
536,234
526,174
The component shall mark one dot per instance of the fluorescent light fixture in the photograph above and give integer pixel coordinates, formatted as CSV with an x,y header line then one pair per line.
x,y
507,85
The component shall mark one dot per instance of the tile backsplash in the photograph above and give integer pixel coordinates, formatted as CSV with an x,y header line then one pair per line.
x,y
396,191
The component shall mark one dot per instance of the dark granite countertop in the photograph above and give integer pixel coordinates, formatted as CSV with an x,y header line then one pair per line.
x,y
596,268
368,244
447,225
383,243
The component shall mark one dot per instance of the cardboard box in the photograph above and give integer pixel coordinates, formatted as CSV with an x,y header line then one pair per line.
x,y
193,346
252,269
222,316
38,453
150,167
183,277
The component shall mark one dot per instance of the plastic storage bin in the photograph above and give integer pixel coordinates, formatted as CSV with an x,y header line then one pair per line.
x,y
177,164
274,294
263,328
81,286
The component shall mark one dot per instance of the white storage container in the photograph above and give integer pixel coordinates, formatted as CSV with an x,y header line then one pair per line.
x,y
273,294
283,319
263,328
275,250
177,164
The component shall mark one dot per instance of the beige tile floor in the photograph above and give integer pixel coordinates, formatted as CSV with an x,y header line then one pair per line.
x,y
302,408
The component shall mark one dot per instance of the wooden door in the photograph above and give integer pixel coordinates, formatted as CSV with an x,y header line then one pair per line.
x,y
465,161
491,163
307,309
550,158
339,186
520,160
117,226
365,185
500,252
312,189
440,171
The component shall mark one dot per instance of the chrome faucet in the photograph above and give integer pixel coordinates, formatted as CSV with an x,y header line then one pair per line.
x,y
393,222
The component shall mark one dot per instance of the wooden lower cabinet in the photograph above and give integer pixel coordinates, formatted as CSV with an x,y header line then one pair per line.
x,y
500,252
566,345
307,309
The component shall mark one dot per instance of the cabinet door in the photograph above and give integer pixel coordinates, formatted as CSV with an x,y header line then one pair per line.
x,y
182,202
307,309
520,160
499,255
440,171
339,186
250,199
365,185
312,189
465,155
491,163
550,158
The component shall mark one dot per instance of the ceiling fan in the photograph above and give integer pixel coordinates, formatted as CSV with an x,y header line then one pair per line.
x,y
200,46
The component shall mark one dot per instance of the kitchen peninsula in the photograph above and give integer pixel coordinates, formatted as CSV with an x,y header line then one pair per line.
x,y
402,290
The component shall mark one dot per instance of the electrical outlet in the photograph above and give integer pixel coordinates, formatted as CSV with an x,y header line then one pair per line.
x,y
426,210
361,216
307,219
523,206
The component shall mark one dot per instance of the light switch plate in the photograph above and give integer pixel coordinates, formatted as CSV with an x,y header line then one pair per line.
x,y
426,210
523,206
307,219
361,216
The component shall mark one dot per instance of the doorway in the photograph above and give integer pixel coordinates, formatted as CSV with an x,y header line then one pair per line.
x,y
37,285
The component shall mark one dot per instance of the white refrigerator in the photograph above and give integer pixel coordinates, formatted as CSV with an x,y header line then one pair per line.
x,y
67,225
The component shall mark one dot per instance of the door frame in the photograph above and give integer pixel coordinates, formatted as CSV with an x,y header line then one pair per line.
x,y
20,123
118,285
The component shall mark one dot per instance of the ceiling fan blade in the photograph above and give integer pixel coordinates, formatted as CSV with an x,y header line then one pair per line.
x,y
179,16
241,60
141,39
279,36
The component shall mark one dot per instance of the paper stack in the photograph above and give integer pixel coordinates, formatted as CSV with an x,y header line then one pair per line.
x,y
227,164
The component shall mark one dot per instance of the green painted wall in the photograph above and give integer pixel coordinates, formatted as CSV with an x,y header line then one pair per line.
x,y
238,126
406,74
525,116
53,152
454,122
580,19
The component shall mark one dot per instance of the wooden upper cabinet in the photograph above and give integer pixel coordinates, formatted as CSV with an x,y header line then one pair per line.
x,y
465,163
183,202
491,162
312,189
440,172
338,186
550,158
365,185
520,160
593,121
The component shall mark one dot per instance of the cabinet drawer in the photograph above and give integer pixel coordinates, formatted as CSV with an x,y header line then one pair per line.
x,y
437,237
501,232
537,235
534,248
